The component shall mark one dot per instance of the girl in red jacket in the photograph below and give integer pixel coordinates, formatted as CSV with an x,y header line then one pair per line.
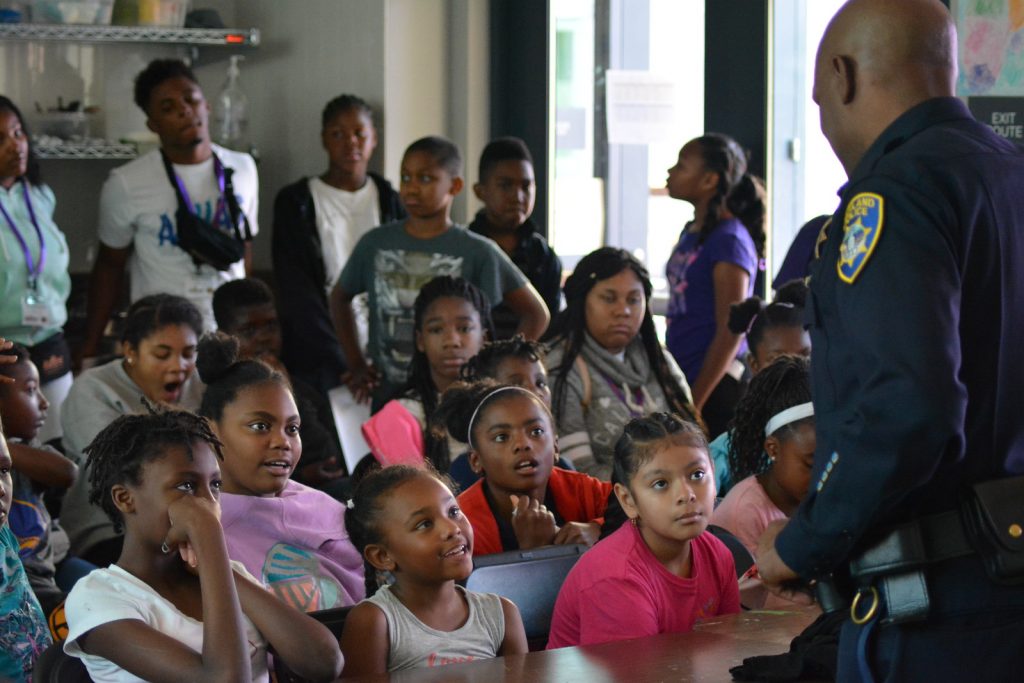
x,y
523,500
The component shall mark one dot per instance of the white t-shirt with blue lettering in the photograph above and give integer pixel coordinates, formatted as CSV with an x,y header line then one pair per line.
x,y
138,207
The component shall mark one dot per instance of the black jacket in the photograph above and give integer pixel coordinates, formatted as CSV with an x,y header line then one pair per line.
x,y
538,262
311,349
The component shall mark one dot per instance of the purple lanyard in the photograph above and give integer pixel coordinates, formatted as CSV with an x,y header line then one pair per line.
x,y
638,396
34,271
218,171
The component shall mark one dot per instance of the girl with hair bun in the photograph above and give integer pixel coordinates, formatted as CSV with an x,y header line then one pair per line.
x,y
607,365
714,266
290,536
773,330
407,523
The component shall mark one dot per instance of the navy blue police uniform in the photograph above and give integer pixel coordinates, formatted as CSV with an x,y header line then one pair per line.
x,y
916,316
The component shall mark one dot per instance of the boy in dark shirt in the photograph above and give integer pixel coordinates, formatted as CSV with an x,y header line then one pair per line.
x,y
507,188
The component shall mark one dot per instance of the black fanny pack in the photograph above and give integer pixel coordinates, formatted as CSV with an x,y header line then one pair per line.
x,y
204,242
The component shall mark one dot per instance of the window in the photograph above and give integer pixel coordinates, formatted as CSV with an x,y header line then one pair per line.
x,y
615,193
805,175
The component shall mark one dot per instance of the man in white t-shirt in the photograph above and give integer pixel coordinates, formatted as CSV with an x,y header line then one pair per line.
x,y
138,206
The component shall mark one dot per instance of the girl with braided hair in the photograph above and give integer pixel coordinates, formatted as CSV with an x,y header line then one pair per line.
x,y
522,500
451,319
772,329
772,450
714,265
607,365
173,607
663,571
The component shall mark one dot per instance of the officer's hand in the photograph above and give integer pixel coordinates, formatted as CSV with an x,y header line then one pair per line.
x,y
775,574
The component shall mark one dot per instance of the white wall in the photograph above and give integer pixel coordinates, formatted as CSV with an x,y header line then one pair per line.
x,y
311,51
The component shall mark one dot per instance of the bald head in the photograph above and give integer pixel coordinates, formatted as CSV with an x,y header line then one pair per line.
x,y
907,46
877,59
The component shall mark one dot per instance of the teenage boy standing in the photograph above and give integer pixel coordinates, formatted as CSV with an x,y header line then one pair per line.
x,y
507,188
138,224
317,222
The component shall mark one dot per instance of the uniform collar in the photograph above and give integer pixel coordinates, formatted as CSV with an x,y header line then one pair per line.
x,y
910,123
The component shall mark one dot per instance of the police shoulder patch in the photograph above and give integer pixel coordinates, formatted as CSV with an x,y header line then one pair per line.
x,y
862,228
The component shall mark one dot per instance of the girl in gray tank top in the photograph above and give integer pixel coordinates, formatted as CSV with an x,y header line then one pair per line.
x,y
405,521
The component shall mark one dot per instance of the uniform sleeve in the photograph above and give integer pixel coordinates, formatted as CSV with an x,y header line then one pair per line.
x,y
896,326
116,219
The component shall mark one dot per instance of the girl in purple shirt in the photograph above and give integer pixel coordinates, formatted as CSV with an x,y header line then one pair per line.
x,y
289,536
713,266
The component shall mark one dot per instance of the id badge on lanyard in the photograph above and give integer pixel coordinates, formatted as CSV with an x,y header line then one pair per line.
x,y
35,312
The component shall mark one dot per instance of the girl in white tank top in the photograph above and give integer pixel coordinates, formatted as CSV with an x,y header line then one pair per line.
x,y
406,522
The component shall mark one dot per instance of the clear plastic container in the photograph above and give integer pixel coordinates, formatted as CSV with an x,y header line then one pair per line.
x,y
96,12
66,125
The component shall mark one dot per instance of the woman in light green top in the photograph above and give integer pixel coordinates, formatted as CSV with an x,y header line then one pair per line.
x,y
34,280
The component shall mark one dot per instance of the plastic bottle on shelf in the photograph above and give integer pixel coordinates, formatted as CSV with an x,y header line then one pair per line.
x,y
231,112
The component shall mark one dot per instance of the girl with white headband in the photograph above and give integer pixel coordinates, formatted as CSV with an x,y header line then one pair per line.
x,y
772,329
772,450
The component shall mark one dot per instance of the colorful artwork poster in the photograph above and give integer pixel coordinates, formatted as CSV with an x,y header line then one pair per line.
x,y
991,34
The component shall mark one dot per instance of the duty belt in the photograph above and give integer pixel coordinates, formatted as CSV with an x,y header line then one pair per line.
x,y
891,571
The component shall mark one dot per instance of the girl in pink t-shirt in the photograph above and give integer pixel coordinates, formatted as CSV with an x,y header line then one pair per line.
x,y
771,452
661,572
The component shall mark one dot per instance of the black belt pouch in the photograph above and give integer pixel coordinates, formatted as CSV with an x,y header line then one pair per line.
x,y
993,516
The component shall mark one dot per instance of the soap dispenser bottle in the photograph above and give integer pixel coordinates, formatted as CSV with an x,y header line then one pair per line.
x,y
231,112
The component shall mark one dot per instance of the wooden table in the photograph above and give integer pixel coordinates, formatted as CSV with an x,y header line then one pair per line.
x,y
705,655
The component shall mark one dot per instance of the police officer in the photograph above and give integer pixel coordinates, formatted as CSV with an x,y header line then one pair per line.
x,y
916,314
